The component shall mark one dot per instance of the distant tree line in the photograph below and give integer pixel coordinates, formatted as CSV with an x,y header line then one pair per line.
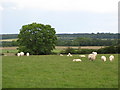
x,y
72,36
87,42
90,35
76,42
80,39
107,50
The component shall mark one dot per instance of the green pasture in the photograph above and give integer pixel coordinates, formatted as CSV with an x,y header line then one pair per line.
x,y
9,51
54,71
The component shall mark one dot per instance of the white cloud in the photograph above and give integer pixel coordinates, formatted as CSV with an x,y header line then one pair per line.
x,y
101,6
1,8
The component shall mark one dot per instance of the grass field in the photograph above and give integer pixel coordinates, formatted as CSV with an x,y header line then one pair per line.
x,y
52,71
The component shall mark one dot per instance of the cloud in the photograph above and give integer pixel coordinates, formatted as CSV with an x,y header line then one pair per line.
x,y
100,6
1,8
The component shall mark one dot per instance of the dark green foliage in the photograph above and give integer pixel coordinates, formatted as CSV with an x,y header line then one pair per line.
x,y
8,43
83,41
110,49
90,35
37,39
79,39
72,36
69,50
85,51
77,51
107,50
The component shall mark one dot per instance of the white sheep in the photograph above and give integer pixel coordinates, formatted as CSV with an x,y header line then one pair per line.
x,y
82,55
69,54
94,53
61,54
18,54
77,60
91,57
103,58
111,58
27,54
22,53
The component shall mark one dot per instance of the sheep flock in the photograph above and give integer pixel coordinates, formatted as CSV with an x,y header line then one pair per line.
x,y
92,56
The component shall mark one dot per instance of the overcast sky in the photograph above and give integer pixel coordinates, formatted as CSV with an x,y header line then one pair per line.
x,y
66,16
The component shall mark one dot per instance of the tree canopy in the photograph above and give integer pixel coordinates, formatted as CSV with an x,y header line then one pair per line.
x,y
37,39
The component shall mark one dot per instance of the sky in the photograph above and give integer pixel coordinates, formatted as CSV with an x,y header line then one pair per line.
x,y
66,16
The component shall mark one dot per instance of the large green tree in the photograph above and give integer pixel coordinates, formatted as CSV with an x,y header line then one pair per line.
x,y
37,39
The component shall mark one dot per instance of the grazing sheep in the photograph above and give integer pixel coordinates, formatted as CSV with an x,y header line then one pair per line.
x,y
92,56
69,54
77,60
111,58
22,53
82,55
103,58
28,54
94,53
61,55
18,54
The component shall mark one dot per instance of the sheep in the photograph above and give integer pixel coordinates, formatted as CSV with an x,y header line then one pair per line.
x,y
77,60
22,53
28,54
61,55
94,53
69,54
92,56
103,58
111,58
18,54
82,55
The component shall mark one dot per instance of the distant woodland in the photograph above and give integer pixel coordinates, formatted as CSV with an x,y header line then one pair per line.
x,y
76,39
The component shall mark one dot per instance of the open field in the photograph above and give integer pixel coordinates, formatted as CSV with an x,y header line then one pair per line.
x,y
53,71
8,40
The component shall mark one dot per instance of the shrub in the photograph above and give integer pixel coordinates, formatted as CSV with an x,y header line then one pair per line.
x,y
109,50
85,51
69,50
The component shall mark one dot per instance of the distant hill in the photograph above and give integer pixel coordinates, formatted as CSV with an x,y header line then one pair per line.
x,y
72,36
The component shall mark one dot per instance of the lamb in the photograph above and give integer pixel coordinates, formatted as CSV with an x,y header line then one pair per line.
x,y
111,58
28,54
18,54
82,55
77,60
22,53
103,58
69,54
61,55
